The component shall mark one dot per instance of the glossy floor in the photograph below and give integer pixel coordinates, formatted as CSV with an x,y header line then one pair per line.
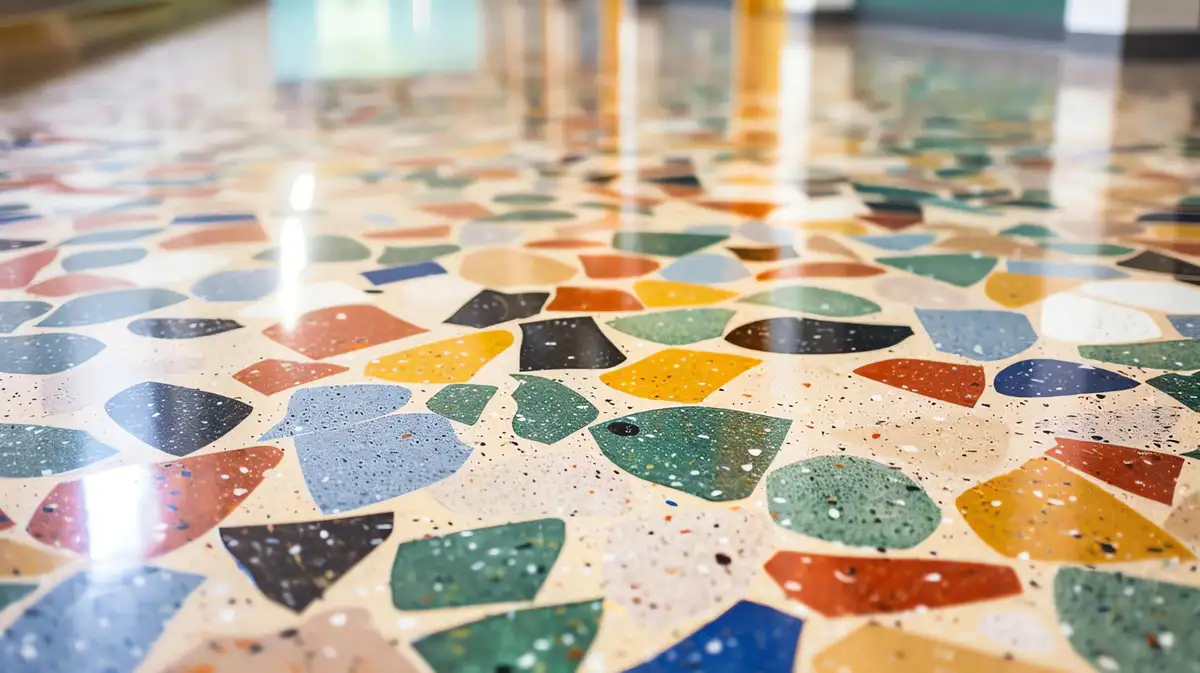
x,y
466,336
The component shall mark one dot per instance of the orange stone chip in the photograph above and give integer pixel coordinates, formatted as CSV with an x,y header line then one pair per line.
x,y
435,231
174,503
593,299
873,649
837,586
272,376
332,331
945,381
1149,474
822,270
1044,512
608,267
242,233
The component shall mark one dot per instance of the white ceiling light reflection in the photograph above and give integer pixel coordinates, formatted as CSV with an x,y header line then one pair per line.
x,y
121,508
293,259
301,196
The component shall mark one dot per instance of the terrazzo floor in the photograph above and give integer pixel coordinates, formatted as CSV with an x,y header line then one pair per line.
x,y
886,364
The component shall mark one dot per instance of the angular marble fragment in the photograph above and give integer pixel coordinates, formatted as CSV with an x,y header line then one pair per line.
x,y
898,242
665,293
20,271
44,354
809,336
102,259
960,270
663,244
462,402
331,407
955,383
237,285
502,268
1185,389
1030,231
377,460
396,274
761,232
161,506
1090,249
610,267
548,411
214,218
851,500
566,343
591,299
827,245
1071,317
13,314
434,231
5,521
337,330
1154,295
1187,325
756,210
545,639
999,246
60,632
499,564
9,244
21,560
1155,262
1056,269
676,328
250,232
705,269
75,283
821,270
103,307
1017,290
1024,514
453,360
343,641
40,450
746,637
1146,473
394,256
765,254
874,648
321,248
978,335
678,375
665,570
818,300
294,564
1044,377
115,236
715,454
1123,622
838,586
529,216
14,593
175,419
182,328
490,308
273,376
1178,355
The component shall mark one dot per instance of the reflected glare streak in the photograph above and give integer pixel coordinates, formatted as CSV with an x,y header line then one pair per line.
x,y
293,259
301,196
120,507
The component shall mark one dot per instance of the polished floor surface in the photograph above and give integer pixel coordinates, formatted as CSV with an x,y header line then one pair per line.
x,y
458,336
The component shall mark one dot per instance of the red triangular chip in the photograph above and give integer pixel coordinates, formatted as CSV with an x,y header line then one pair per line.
x,y
945,381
